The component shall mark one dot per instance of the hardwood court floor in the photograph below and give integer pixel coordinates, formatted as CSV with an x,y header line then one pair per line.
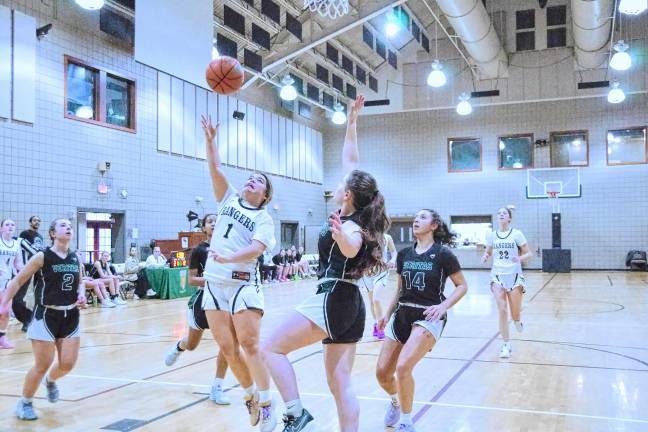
x,y
580,365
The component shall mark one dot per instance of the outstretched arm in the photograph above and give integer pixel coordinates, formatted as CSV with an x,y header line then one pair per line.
x,y
219,181
350,154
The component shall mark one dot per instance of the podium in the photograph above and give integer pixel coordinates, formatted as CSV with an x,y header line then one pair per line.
x,y
186,241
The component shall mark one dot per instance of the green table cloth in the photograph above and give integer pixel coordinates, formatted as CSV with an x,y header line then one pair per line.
x,y
170,283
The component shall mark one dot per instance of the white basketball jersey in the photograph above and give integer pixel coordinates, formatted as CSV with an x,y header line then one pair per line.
x,y
386,253
506,246
237,225
8,251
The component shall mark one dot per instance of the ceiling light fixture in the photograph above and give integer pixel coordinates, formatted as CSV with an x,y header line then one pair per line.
x,y
616,94
339,117
91,4
633,7
436,78
464,107
288,91
621,60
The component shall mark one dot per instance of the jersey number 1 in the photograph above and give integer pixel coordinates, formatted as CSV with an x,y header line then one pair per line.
x,y
229,228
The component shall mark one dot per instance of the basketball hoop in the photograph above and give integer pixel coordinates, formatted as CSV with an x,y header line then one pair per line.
x,y
553,201
328,8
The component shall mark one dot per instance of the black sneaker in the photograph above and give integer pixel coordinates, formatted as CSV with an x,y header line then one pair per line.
x,y
296,424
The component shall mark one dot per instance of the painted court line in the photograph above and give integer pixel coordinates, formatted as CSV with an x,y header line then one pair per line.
x,y
127,321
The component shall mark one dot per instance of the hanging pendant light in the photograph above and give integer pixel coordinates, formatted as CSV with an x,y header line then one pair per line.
x,y
436,78
339,117
288,91
616,94
464,107
621,60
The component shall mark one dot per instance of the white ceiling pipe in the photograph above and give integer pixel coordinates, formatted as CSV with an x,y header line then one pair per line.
x,y
592,24
473,25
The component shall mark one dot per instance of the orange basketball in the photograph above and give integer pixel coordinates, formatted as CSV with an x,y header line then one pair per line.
x,y
225,75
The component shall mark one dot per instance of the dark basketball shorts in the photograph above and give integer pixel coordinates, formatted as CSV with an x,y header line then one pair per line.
x,y
338,309
403,320
49,324
196,314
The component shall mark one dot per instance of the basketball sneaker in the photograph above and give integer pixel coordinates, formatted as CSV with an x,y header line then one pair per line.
x,y
172,355
107,303
218,396
252,405
119,301
5,344
296,424
25,410
519,326
268,417
506,350
402,427
392,415
52,390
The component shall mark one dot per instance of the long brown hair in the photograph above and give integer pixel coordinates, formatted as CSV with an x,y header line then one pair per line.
x,y
442,234
373,219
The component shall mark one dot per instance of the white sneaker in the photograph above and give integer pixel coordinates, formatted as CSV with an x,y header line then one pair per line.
x,y
268,417
519,326
107,303
136,297
505,351
150,293
172,355
119,301
218,396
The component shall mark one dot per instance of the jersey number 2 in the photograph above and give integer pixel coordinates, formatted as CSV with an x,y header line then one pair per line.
x,y
68,280
418,282
229,228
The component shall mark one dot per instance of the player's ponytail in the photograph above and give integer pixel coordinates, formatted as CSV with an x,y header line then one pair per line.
x,y
372,218
442,234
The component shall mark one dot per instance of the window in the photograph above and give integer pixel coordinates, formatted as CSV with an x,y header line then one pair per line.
x,y
515,151
556,26
464,154
304,110
525,30
471,230
569,149
97,96
627,146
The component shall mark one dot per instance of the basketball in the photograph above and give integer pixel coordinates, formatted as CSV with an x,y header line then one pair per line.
x,y
225,75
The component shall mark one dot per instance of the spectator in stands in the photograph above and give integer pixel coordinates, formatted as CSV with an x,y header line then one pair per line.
x,y
303,266
135,273
291,257
268,267
156,260
96,285
279,260
101,271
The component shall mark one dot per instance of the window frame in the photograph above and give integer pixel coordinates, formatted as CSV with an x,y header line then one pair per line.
x,y
100,95
584,132
548,27
499,152
530,30
607,146
481,154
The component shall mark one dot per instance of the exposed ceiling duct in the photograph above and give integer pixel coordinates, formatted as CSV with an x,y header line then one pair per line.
x,y
592,24
472,24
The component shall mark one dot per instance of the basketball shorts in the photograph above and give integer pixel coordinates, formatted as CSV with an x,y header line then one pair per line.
x,y
509,281
403,320
49,324
195,314
232,297
371,282
338,309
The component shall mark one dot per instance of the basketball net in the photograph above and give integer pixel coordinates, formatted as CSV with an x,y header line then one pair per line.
x,y
553,201
328,8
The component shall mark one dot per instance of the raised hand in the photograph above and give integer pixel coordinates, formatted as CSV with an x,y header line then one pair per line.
x,y
356,107
209,129
335,223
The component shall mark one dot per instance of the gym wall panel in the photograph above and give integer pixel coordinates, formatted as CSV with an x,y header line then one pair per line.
x,y
232,131
204,103
302,151
319,158
220,116
264,157
189,123
310,139
287,156
274,153
24,68
295,150
242,138
262,144
177,115
5,62
250,133
164,112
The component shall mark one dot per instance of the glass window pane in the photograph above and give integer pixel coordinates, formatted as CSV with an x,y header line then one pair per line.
x,y
557,37
81,91
525,19
525,41
556,15
465,154
471,230
118,101
626,146
569,149
515,152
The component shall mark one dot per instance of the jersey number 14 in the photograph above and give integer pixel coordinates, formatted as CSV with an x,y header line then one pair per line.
x,y
418,282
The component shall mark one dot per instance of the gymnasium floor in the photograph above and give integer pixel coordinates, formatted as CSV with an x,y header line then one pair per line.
x,y
580,365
